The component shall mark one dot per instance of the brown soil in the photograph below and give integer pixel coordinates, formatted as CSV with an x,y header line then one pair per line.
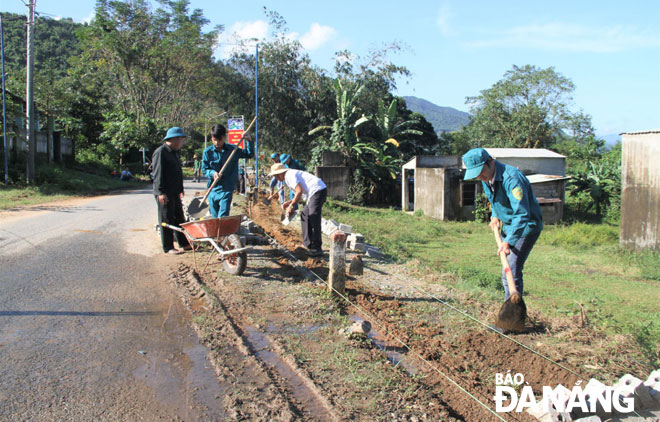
x,y
441,348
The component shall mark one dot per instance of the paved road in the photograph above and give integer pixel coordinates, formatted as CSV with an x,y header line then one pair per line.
x,y
90,327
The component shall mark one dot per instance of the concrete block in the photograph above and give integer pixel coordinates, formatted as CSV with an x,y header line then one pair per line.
x,y
631,386
357,237
595,388
334,223
589,419
346,228
374,252
653,384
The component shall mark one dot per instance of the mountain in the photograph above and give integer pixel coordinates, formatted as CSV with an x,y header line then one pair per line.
x,y
443,119
611,139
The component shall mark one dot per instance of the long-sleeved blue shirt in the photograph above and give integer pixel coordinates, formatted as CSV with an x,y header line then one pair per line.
x,y
513,202
213,160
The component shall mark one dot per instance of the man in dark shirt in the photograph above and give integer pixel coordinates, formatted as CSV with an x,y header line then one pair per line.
x,y
168,189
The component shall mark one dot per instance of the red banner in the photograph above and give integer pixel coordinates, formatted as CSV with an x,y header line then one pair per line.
x,y
235,129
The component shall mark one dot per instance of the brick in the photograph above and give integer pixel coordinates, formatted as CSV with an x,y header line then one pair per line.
x,y
595,388
345,228
631,386
357,237
374,252
653,384
589,419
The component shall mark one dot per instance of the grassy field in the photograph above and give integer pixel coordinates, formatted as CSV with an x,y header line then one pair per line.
x,y
573,266
55,183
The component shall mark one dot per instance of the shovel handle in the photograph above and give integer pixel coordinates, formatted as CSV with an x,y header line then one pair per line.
x,y
505,264
222,170
274,194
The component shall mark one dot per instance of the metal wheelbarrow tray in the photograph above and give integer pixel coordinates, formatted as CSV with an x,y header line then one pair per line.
x,y
221,234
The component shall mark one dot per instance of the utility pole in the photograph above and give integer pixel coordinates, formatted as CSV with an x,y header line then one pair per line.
x,y
29,103
4,102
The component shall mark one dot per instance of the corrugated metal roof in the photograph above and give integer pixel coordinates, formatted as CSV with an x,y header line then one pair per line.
x,y
644,132
540,178
522,152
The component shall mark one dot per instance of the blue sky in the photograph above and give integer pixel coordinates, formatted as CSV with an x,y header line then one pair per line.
x,y
609,49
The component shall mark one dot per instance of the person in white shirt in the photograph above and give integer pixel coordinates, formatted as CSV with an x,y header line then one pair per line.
x,y
312,189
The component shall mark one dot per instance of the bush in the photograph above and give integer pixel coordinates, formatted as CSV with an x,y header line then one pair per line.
x,y
481,208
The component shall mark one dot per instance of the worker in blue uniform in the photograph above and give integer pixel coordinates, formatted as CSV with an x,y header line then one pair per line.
x,y
513,205
214,157
275,185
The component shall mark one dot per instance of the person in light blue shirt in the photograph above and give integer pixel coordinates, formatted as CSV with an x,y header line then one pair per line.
x,y
275,185
214,157
513,205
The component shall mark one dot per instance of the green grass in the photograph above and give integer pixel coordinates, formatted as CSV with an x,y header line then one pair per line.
x,y
570,265
53,183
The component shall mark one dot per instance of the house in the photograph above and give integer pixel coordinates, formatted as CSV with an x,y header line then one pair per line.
x,y
436,186
640,190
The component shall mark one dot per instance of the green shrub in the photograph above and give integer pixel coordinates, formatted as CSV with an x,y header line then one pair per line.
x,y
481,208
475,276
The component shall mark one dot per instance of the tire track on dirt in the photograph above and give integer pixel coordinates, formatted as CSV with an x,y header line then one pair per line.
x,y
301,399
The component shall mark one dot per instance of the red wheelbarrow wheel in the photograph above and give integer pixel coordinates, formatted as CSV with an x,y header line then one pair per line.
x,y
234,263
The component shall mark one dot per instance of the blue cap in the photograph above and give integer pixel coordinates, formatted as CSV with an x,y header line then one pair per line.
x,y
284,157
474,161
175,132
274,155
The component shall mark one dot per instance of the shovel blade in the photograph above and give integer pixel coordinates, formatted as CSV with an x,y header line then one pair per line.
x,y
512,314
198,209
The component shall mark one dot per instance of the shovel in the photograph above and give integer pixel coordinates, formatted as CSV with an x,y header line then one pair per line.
x,y
198,208
289,218
513,312
267,200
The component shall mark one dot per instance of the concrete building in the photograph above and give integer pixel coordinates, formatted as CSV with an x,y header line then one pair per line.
x,y
335,174
640,190
436,186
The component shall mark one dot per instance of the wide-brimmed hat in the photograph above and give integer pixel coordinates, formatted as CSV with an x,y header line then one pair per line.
x,y
474,161
175,132
277,168
284,158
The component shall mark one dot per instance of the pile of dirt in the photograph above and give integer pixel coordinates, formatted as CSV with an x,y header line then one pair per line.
x,y
471,359
268,217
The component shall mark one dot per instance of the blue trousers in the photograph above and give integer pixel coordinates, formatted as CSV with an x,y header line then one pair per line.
x,y
220,202
517,258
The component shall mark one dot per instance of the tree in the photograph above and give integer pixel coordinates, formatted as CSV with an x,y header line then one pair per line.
x,y
294,96
528,108
154,63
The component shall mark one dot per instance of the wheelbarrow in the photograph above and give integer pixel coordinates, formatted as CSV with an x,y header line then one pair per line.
x,y
221,234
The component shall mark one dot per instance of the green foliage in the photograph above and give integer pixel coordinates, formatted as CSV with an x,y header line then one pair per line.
x,y
581,235
600,181
479,277
528,108
481,208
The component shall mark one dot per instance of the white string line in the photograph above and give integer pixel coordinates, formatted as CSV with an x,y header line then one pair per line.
x,y
495,331
380,325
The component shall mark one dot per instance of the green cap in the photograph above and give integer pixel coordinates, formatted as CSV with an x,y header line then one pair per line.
x,y
474,161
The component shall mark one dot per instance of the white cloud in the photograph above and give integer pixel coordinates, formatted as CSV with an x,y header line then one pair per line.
x,y
89,17
443,21
570,37
240,32
317,36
